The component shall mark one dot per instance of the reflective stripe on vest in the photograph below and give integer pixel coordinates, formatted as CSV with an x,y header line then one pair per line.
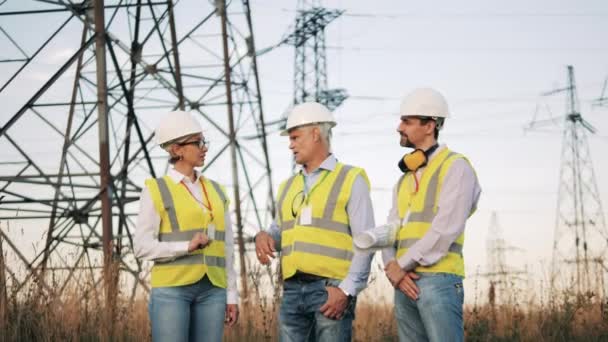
x,y
407,243
170,208
317,249
430,199
420,221
316,238
165,195
282,199
189,234
219,191
326,221
320,222
196,259
175,206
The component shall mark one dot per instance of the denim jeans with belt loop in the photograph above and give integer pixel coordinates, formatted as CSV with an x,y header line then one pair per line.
x,y
300,319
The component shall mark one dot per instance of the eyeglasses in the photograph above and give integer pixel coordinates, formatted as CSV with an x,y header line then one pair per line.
x,y
198,143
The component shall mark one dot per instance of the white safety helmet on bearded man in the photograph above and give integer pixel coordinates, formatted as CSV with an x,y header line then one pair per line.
x,y
308,113
425,102
176,125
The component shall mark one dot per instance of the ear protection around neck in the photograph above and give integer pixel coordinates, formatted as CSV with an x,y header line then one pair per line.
x,y
412,161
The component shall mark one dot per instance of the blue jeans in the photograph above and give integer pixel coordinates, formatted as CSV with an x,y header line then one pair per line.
x,y
193,312
300,319
437,314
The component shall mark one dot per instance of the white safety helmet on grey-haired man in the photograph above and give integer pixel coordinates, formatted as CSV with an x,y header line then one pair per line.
x,y
425,102
308,113
175,126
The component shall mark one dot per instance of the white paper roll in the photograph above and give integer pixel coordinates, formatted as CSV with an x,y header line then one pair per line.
x,y
377,238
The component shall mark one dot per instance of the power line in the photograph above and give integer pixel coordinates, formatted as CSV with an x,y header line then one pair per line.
x,y
467,49
465,15
469,14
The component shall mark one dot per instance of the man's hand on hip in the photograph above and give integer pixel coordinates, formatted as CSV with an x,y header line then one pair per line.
x,y
336,303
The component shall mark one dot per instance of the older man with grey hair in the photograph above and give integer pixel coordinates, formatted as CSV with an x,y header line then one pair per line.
x,y
318,211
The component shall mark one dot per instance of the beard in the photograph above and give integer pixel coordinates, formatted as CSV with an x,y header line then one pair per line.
x,y
406,143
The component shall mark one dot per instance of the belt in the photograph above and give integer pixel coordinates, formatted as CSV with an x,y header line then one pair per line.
x,y
305,277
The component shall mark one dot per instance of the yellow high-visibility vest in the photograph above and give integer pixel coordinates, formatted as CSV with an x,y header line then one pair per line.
x,y
324,247
421,208
180,218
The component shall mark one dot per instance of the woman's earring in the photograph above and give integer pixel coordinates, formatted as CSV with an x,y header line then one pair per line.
x,y
181,157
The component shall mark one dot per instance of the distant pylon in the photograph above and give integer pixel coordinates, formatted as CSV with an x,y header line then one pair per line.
x,y
310,65
580,237
502,277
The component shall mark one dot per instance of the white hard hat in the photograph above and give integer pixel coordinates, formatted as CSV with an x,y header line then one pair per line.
x,y
175,125
308,113
424,102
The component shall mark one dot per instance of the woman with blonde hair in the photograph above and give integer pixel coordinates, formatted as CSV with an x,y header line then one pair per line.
x,y
184,227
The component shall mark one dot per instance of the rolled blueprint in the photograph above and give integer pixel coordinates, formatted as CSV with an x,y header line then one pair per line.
x,y
377,238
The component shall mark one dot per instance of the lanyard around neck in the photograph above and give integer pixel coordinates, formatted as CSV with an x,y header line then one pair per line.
x,y
315,186
208,206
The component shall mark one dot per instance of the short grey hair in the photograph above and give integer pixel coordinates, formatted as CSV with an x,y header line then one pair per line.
x,y
325,131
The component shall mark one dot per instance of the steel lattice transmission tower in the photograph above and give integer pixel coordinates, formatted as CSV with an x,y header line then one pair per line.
x,y
603,99
77,143
501,276
310,63
581,236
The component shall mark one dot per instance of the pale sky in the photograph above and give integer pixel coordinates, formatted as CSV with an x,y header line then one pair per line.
x,y
491,60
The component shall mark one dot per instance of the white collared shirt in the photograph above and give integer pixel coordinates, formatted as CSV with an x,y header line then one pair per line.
x,y
148,247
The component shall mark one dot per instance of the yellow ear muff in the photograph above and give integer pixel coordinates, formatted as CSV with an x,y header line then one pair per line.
x,y
415,160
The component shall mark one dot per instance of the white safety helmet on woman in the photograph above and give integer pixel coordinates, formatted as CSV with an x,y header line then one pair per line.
x,y
175,126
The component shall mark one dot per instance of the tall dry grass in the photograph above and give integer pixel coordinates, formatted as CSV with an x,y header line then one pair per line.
x,y
79,317
32,315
